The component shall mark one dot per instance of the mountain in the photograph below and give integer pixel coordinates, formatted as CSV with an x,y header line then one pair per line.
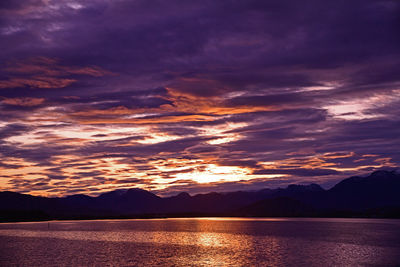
x,y
378,191
377,195
381,188
278,207
131,201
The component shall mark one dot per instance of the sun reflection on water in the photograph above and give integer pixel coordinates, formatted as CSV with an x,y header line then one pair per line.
x,y
204,242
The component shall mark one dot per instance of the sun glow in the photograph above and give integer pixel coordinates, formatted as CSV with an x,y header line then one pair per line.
x,y
214,173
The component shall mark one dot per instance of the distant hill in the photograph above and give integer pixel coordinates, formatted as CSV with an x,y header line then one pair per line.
x,y
377,195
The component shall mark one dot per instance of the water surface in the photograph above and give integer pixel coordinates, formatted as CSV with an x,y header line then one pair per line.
x,y
202,242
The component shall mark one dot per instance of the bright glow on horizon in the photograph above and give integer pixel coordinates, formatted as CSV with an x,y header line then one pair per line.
x,y
212,173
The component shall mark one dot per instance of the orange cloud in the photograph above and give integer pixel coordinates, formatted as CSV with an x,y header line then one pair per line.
x,y
91,71
210,105
50,66
370,155
165,119
121,110
43,72
338,155
23,101
200,109
37,82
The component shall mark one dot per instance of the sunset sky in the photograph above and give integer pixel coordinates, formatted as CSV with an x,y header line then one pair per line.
x,y
196,96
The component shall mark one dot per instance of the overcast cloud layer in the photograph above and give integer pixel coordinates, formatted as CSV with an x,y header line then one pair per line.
x,y
196,96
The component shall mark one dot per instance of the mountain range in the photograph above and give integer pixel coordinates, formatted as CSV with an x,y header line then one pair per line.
x,y
376,195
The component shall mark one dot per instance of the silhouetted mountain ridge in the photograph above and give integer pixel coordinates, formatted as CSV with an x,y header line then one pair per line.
x,y
376,195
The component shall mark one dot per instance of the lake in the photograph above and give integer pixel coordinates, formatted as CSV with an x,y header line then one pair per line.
x,y
202,242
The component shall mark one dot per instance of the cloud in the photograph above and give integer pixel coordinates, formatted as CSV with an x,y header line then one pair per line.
x,y
23,101
298,172
42,72
101,95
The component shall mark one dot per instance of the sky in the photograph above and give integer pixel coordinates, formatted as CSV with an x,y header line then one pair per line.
x,y
196,96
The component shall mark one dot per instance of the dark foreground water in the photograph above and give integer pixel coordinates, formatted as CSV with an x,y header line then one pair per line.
x,y
202,241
